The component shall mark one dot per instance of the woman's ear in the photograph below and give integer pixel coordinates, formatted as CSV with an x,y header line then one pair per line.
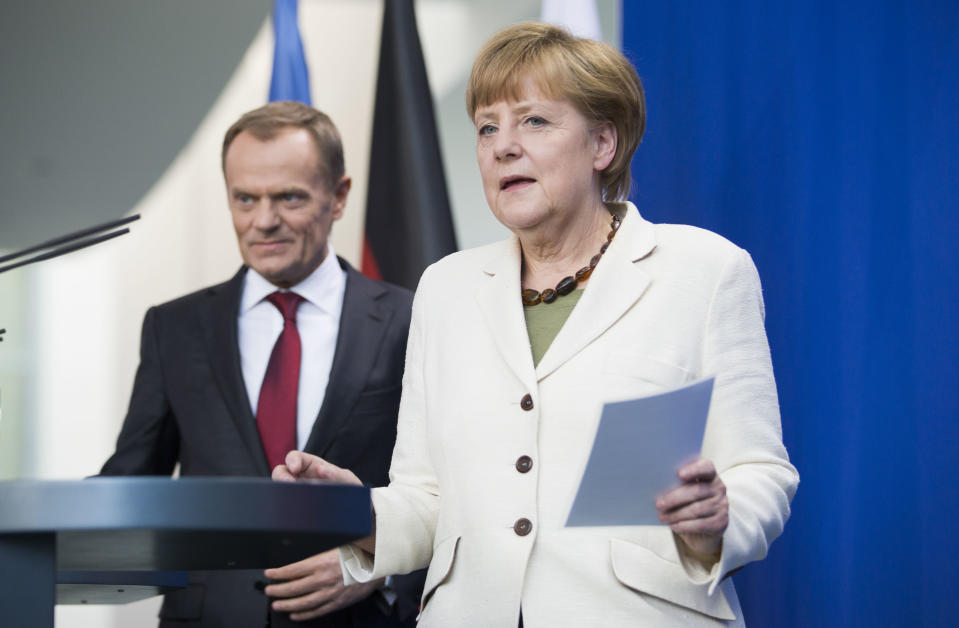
x,y
605,141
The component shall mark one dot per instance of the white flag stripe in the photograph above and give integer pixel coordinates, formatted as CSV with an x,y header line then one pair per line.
x,y
580,17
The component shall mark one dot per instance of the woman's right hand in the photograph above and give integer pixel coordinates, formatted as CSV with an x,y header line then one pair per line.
x,y
304,466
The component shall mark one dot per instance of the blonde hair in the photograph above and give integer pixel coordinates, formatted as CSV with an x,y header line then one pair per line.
x,y
596,78
266,122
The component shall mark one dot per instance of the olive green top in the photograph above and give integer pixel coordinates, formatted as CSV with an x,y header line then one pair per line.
x,y
544,320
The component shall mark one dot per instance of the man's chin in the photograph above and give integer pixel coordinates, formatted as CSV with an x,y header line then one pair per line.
x,y
281,278
281,272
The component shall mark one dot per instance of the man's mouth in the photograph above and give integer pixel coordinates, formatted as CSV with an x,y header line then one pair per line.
x,y
515,181
270,244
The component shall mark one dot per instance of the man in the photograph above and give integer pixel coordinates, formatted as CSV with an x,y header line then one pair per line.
x,y
296,351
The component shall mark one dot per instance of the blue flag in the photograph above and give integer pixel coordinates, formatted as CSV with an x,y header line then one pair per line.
x,y
291,79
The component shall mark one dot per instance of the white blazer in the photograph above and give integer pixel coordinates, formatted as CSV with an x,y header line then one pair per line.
x,y
667,304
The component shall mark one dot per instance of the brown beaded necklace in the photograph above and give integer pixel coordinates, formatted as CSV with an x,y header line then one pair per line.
x,y
568,284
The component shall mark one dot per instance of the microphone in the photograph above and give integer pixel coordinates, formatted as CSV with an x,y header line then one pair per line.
x,y
68,243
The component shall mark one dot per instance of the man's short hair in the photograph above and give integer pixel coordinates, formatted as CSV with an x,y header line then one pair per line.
x,y
268,121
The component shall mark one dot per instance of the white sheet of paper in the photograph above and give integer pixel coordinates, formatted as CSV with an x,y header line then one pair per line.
x,y
639,446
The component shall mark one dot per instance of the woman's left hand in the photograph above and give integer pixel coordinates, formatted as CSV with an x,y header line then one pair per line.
x,y
698,510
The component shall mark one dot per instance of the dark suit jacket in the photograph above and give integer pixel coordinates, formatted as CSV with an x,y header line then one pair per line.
x,y
190,405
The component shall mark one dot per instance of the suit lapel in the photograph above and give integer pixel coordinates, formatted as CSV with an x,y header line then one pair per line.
x,y
502,308
220,332
614,287
363,322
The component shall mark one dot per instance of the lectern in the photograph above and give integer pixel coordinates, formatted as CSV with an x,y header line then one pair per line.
x,y
114,539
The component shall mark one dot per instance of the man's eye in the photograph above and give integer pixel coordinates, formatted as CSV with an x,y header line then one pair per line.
x,y
289,198
244,199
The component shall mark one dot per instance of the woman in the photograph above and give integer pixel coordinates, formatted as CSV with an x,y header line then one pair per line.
x,y
501,400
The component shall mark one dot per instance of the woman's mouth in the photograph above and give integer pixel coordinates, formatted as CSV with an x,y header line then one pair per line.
x,y
507,183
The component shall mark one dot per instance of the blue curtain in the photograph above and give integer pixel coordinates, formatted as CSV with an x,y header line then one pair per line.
x,y
824,138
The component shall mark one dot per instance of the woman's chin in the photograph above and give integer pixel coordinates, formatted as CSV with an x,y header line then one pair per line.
x,y
521,217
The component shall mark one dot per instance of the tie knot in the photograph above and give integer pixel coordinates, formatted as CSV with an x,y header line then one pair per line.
x,y
286,302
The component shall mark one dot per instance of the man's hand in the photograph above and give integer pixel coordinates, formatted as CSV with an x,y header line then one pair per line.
x,y
314,586
698,510
303,466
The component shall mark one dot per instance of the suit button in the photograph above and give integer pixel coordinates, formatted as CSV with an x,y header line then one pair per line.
x,y
522,527
526,403
524,464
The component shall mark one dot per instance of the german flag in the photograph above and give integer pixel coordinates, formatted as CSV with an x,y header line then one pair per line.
x,y
408,221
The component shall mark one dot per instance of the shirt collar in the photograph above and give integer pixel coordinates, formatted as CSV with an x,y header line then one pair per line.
x,y
322,288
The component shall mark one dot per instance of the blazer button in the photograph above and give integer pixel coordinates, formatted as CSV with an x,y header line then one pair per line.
x,y
524,464
526,403
522,527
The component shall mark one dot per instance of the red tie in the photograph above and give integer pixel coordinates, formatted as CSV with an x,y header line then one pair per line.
x,y
276,408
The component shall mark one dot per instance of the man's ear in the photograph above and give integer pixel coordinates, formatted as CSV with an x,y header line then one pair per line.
x,y
606,139
340,192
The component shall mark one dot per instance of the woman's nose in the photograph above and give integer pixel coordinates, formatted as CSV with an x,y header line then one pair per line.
x,y
507,145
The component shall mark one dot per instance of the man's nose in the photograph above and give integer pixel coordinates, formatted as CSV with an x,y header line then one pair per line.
x,y
265,216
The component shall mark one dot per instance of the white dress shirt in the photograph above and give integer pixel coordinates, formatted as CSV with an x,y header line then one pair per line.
x,y
317,320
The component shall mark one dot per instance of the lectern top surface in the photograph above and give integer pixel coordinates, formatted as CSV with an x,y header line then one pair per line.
x,y
184,503
145,524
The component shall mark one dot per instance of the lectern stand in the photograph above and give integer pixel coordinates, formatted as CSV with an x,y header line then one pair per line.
x,y
112,539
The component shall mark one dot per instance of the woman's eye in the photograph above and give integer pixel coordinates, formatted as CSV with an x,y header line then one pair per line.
x,y
487,129
535,121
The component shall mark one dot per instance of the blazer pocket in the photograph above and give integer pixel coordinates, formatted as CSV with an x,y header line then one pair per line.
x,y
440,567
383,400
642,570
646,368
